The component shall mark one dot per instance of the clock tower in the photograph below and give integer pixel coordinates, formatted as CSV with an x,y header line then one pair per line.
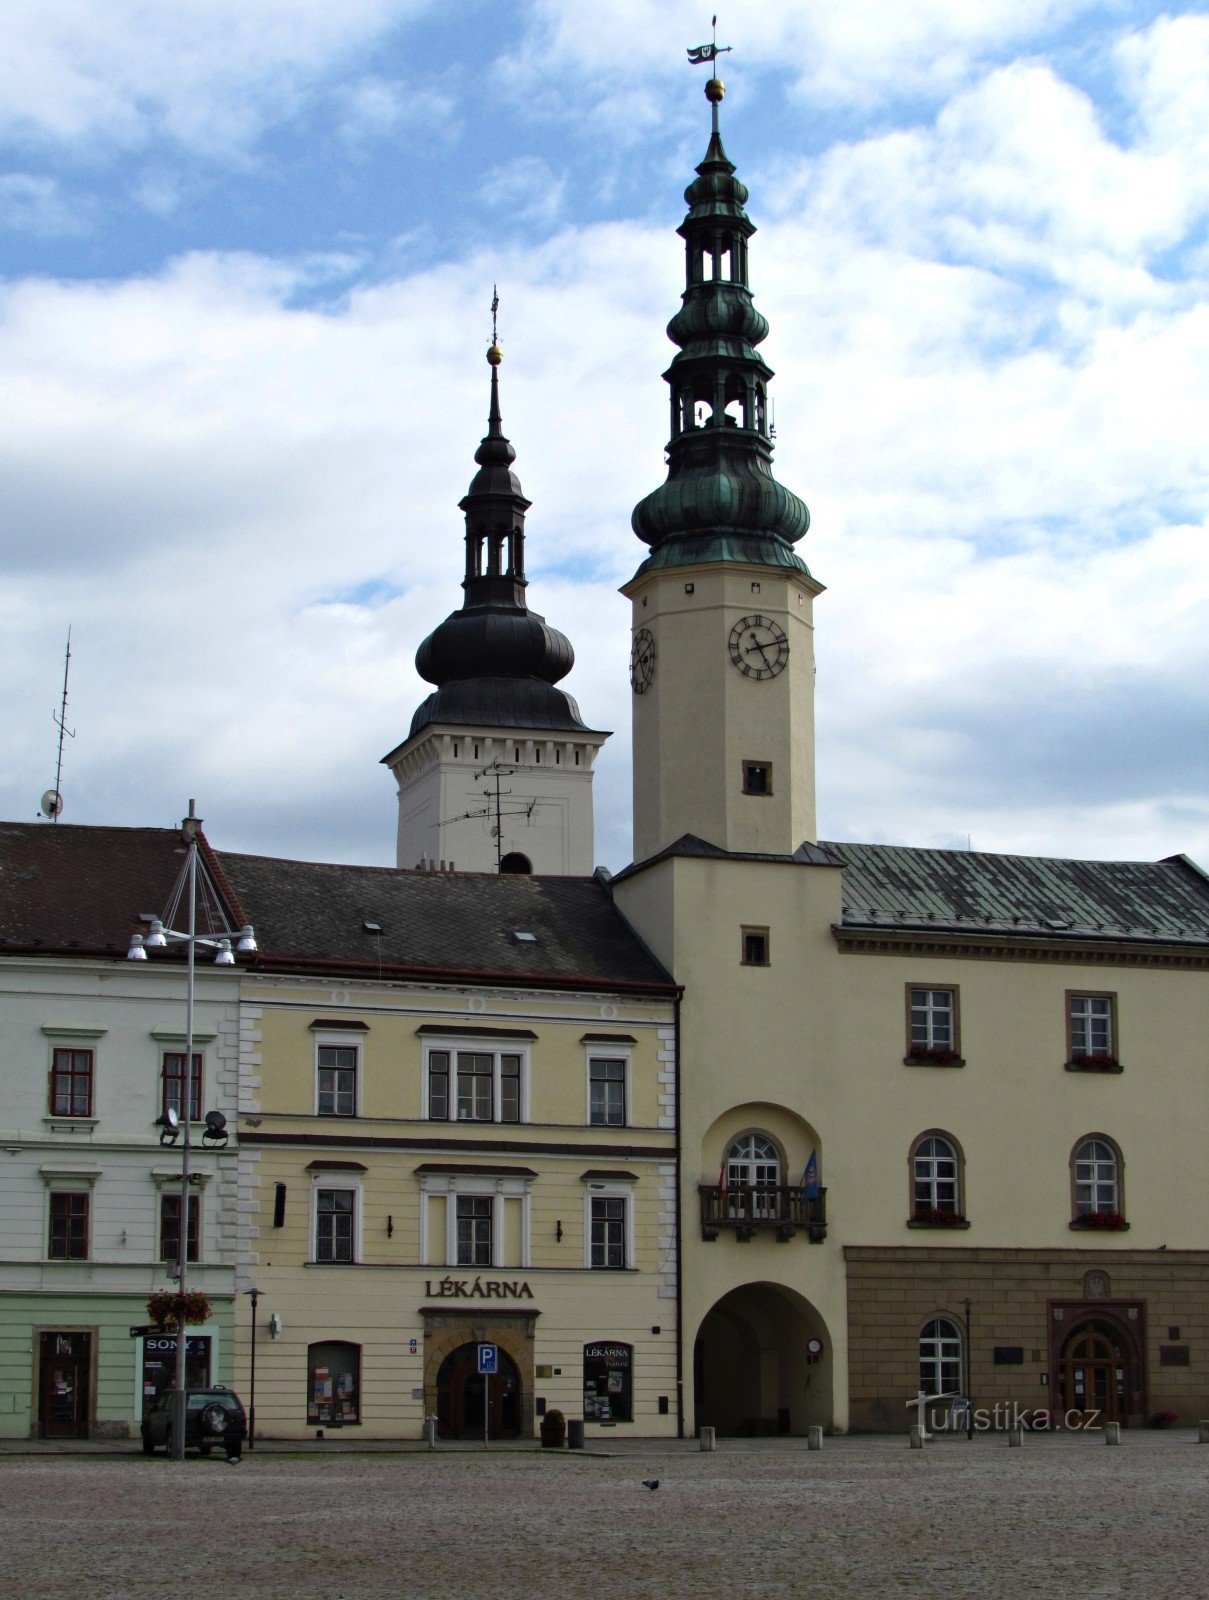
x,y
722,656
496,772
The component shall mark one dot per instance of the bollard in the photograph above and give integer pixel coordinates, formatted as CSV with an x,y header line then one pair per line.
x,y
814,1438
430,1432
916,1436
1204,1438
575,1433
707,1438
1015,1437
1112,1433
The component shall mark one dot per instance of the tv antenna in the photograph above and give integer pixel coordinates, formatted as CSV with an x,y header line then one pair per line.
x,y
52,800
494,810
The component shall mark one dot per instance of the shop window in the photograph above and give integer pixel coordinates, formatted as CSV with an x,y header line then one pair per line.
x,y
608,1382
173,1076
333,1389
170,1227
71,1083
68,1226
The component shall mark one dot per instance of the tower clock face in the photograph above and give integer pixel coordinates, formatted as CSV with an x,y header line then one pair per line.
x,y
642,660
758,647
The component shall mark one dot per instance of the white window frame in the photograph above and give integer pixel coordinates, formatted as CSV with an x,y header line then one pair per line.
x,y
494,1047
604,1051
1090,1174
1086,1012
332,1039
337,1180
501,1188
926,1168
940,1349
609,1189
927,1013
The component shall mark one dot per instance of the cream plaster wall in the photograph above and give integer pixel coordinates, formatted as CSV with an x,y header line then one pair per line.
x,y
701,718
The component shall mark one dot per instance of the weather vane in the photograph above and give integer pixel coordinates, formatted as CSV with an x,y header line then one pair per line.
x,y
709,52
495,306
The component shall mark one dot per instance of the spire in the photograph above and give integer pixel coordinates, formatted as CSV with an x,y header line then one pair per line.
x,y
494,661
721,501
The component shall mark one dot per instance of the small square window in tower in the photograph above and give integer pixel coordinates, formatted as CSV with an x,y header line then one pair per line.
x,y
755,947
757,777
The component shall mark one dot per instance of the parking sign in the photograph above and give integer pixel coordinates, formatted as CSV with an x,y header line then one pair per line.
x,y
489,1358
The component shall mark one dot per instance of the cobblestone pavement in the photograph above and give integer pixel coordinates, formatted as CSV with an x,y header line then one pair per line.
x,y
867,1518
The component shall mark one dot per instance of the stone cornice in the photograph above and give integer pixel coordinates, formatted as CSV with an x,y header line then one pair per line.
x,y
987,945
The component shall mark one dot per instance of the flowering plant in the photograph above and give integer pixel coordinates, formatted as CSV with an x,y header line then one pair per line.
x,y
169,1309
1113,1221
1163,1419
938,1216
933,1055
1093,1061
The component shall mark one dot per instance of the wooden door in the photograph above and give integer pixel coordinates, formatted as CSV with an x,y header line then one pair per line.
x,y
65,1369
1094,1377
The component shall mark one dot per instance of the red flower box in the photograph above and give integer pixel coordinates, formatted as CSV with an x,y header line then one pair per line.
x,y
1110,1221
938,1218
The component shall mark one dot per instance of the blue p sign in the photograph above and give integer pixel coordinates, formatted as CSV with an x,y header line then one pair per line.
x,y
489,1358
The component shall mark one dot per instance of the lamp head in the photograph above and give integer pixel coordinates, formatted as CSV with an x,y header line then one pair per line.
x,y
247,941
156,939
169,1125
215,1134
225,956
136,951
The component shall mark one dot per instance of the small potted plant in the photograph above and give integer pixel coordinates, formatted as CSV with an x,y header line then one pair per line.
x,y
1163,1419
554,1430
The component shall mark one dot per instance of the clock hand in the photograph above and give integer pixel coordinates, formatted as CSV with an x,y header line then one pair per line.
x,y
756,645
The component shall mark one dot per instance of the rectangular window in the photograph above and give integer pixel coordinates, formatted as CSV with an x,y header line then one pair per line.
x,y
608,1232
932,1024
170,1227
334,1212
486,1085
68,1227
71,1083
606,1091
755,947
173,1079
1090,1025
757,777
333,1383
608,1382
474,1223
337,1080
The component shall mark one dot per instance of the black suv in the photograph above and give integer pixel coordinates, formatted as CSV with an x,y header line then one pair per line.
x,y
213,1416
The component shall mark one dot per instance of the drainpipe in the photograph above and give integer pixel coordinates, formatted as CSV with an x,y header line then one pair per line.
x,y
679,1234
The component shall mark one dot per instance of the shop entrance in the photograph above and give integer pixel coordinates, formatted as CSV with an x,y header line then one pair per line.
x,y
64,1384
762,1364
461,1391
1096,1379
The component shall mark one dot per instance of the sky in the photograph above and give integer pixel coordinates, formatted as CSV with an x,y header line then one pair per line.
x,y
247,250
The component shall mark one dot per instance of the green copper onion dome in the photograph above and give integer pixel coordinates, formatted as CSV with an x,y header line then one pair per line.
x,y
721,501
495,662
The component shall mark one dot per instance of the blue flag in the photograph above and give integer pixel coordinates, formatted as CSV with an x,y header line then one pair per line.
x,y
810,1178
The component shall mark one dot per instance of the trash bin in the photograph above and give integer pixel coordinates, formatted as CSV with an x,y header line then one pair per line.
x,y
575,1433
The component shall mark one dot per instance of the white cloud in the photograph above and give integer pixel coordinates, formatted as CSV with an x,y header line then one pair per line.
x,y
34,204
207,74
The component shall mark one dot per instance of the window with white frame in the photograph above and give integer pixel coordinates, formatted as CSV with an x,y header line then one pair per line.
x,y
607,1091
936,1172
337,1066
932,1017
335,1224
475,1222
608,1230
1097,1178
1090,1024
475,1085
940,1357
753,1176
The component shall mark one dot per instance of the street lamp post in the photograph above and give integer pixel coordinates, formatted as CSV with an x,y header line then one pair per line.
x,y
968,1303
215,1133
254,1293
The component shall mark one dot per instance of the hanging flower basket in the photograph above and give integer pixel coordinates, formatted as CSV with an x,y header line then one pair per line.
x,y
170,1311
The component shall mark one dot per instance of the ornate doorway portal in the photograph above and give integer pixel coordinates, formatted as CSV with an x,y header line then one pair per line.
x,y
1097,1375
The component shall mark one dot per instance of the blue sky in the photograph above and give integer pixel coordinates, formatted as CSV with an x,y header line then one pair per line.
x,y
248,251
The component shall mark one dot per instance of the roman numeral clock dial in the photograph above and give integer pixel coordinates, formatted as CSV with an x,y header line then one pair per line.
x,y
758,647
642,661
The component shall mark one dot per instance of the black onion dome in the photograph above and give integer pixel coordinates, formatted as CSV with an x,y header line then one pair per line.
x,y
495,662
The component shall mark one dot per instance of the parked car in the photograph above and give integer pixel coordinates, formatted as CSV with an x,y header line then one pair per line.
x,y
213,1416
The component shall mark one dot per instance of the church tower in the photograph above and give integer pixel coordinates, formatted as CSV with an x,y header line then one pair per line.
x,y
722,658
496,772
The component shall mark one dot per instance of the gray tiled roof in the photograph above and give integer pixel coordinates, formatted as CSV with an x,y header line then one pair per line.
x,y
896,885
444,922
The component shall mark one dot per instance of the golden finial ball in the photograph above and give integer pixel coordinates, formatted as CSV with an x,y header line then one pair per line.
x,y
495,355
714,90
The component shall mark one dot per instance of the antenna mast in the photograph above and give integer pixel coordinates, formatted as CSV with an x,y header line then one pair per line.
x,y
52,800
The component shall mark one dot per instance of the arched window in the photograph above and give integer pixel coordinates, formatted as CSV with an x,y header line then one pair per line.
x,y
1096,1170
935,1179
940,1357
753,1175
515,862
333,1383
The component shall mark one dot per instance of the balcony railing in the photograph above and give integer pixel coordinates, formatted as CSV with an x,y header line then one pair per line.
x,y
783,1209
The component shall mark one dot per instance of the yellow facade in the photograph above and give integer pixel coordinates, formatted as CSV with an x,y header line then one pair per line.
x,y
402,1304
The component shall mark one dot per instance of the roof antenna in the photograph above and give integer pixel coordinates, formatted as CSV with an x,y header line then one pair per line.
x,y
52,800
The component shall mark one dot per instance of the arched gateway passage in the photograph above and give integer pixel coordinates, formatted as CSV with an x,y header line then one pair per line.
x,y
762,1364
463,1394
